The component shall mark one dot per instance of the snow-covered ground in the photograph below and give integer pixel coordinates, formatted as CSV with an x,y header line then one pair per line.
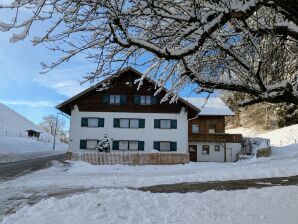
x,y
280,137
268,205
14,143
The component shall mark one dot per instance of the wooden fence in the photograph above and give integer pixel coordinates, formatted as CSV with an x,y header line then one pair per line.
x,y
130,158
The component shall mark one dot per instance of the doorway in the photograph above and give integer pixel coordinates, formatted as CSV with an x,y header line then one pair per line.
x,y
193,153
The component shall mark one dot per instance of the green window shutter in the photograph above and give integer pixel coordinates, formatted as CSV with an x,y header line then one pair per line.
x,y
116,123
156,145
156,123
122,99
136,99
115,145
174,124
141,145
83,144
106,98
101,122
153,100
173,146
84,122
141,123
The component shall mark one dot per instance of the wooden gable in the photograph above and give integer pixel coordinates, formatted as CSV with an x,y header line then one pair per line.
x,y
123,84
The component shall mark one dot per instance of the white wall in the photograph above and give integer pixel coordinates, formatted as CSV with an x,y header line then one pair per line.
x,y
148,134
217,156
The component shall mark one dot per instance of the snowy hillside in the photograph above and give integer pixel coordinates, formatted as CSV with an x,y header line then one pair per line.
x,y
280,137
14,143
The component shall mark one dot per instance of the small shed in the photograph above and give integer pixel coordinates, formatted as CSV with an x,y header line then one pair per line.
x,y
33,133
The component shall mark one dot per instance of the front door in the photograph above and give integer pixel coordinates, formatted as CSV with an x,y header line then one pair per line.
x,y
192,153
229,155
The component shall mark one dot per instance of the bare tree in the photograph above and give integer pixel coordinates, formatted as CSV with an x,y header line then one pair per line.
x,y
49,124
248,46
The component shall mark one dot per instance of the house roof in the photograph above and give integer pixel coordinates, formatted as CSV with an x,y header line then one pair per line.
x,y
213,106
99,84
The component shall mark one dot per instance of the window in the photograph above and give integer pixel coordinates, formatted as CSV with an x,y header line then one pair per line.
x,y
129,123
165,124
133,145
114,99
123,145
145,100
124,123
134,123
128,145
205,150
92,122
165,146
91,144
216,148
195,128
211,128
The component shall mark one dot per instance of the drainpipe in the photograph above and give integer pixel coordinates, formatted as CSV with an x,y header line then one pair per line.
x,y
225,150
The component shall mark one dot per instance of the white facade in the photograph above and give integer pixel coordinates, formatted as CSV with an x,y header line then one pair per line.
x,y
217,156
149,134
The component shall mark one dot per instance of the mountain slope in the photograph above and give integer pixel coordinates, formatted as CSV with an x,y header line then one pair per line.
x,y
15,143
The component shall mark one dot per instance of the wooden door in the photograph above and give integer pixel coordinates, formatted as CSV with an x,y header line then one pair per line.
x,y
192,153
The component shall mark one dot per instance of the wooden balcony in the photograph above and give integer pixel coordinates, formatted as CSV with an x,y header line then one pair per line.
x,y
216,137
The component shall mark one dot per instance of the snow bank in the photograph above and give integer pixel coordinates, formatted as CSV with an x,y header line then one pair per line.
x,y
283,162
14,143
280,137
268,205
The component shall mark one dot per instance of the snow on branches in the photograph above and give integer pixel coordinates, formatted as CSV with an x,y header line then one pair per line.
x,y
248,46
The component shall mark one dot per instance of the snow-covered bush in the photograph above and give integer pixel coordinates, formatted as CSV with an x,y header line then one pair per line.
x,y
103,144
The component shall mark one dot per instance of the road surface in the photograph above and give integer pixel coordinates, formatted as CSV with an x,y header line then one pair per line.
x,y
14,169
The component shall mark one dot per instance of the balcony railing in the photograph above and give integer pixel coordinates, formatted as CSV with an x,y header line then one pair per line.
x,y
216,137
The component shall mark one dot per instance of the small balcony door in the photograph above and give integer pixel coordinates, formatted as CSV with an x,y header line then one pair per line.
x,y
193,153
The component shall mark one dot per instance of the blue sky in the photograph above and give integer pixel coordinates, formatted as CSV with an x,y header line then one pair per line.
x,y
24,89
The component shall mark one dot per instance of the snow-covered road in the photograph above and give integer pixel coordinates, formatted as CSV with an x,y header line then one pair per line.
x,y
109,179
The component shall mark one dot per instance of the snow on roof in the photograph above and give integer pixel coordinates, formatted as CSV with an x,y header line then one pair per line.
x,y
214,106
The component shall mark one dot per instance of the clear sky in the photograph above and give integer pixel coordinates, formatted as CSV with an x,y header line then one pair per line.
x,y
24,89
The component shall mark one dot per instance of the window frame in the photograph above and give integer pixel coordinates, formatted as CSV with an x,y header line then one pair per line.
x,y
192,130
168,120
113,98
203,150
145,100
87,140
129,142
129,122
211,128
98,122
217,148
160,148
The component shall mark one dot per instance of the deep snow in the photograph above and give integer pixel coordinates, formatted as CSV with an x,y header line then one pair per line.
x,y
268,205
279,137
14,143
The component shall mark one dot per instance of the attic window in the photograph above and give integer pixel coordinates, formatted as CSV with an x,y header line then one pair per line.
x,y
145,100
114,99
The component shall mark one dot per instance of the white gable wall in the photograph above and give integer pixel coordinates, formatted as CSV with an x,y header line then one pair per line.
x,y
217,156
148,134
